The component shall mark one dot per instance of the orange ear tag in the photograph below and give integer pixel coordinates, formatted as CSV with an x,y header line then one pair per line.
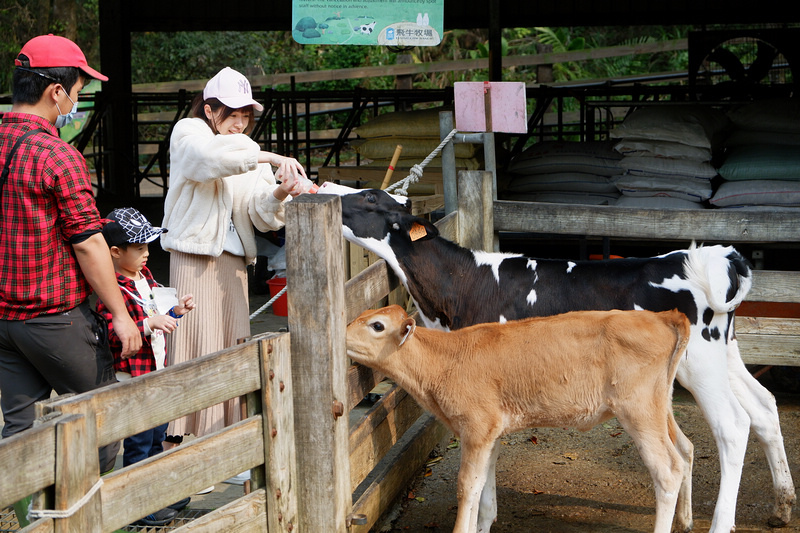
x,y
417,231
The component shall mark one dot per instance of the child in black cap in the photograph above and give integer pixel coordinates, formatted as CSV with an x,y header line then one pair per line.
x,y
127,233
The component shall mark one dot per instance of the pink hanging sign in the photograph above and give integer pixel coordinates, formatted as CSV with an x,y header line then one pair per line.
x,y
497,106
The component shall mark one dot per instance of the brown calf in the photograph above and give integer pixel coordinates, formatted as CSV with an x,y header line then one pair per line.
x,y
577,369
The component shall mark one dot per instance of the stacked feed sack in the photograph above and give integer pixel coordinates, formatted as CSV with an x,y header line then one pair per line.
x,y
761,166
418,133
567,172
667,152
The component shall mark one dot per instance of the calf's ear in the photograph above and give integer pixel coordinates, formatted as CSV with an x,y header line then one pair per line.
x,y
407,330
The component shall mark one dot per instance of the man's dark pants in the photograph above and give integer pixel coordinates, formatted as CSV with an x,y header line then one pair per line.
x,y
66,352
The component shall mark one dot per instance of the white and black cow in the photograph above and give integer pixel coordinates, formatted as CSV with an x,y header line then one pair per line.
x,y
454,287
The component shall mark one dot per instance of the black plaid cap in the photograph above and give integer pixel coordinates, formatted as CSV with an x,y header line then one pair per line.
x,y
127,225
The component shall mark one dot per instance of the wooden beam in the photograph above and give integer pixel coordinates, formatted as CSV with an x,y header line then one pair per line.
x,y
769,341
34,448
702,225
207,381
76,473
243,515
392,475
474,214
360,381
775,286
448,226
76,466
380,429
367,287
780,350
190,470
273,80
763,326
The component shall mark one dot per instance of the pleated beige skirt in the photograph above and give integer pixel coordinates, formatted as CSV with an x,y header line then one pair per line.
x,y
221,317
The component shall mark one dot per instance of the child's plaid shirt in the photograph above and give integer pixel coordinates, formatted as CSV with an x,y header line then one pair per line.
x,y
143,361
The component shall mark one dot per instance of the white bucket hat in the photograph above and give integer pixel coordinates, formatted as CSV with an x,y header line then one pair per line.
x,y
232,89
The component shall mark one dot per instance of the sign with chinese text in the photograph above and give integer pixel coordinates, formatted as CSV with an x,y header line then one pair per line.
x,y
368,22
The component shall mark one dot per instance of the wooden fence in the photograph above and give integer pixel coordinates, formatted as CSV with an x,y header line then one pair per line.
x,y
311,469
58,456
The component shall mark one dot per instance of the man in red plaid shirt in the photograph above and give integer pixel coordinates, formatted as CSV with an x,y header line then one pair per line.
x,y
52,251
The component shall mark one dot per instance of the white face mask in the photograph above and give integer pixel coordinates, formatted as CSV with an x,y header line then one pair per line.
x,y
64,119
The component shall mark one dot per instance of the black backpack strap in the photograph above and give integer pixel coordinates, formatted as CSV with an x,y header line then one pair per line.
x,y
6,167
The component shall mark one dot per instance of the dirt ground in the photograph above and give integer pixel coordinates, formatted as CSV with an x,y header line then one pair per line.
x,y
565,481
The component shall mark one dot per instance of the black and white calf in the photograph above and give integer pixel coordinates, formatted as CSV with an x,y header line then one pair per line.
x,y
454,287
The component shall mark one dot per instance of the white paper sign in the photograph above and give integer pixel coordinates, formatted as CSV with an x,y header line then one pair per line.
x,y
166,298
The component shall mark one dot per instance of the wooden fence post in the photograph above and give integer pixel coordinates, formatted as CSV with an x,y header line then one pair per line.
x,y
475,219
280,453
317,321
446,125
77,468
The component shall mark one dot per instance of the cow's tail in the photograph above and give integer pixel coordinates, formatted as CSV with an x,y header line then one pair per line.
x,y
680,325
722,273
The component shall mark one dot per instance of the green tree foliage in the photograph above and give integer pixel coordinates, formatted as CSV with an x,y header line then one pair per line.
x,y
21,20
16,22
526,41
455,45
199,55
175,56
640,63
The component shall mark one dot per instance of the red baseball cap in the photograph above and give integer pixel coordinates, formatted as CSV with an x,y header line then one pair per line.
x,y
54,51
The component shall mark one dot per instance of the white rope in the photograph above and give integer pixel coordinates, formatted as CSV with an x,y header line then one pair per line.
x,y
416,170
266,305
35,514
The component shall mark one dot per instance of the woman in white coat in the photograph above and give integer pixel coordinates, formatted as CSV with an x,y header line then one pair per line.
x,y
221,187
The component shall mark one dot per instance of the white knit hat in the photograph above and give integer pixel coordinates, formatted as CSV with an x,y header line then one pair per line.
x,y
232,89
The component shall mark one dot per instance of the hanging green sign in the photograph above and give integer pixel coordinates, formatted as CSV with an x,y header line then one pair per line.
x,y
365,22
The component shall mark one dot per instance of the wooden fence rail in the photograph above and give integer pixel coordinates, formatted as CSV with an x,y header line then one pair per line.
x,y
59,457
410,69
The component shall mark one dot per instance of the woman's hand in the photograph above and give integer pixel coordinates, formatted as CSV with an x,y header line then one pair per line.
x,y
288,164
292,176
